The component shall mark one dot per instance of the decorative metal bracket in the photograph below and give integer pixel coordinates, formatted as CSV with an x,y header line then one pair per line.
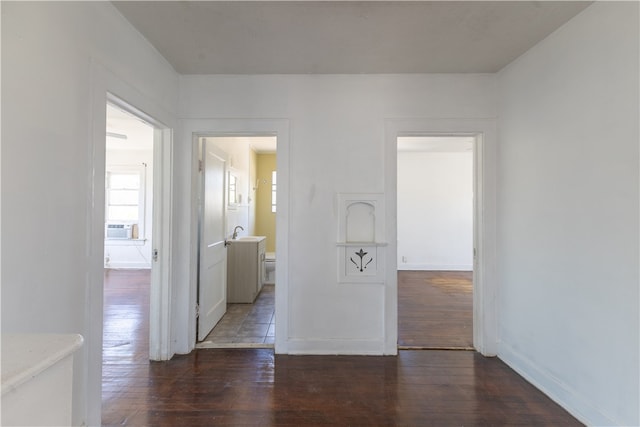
x,y
361,254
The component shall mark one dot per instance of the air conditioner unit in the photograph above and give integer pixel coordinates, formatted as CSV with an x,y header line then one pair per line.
x,y
118,231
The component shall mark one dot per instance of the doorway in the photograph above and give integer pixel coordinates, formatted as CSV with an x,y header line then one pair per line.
x,y
435,211
128,251
250,188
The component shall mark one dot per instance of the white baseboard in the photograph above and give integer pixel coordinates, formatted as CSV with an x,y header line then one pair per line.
x,y
128,265
561,393
432,267
335,347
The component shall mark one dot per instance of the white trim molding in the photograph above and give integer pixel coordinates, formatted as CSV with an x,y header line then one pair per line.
x,y
433,267
560,392
485,309
108,87
186,271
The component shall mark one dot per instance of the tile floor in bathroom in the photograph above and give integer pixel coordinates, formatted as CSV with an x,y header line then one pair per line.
x,y
246,325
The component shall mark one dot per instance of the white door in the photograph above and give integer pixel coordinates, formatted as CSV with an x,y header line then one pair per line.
x,y
212,284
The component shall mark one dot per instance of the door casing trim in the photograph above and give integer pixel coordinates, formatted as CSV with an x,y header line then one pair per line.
x,y
197,128
107,87
485,308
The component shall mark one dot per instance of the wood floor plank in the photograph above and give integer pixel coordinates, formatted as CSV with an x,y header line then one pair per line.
x,y
256,387
236,387
435,309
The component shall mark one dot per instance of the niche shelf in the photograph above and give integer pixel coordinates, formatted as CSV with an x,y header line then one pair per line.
x,y
360,243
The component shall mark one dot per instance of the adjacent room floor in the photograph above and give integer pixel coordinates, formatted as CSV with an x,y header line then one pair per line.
x,y
246,325
435,309
125,332
434,312
256,387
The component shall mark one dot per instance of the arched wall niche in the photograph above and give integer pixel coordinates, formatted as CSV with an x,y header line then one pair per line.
x,y
361,243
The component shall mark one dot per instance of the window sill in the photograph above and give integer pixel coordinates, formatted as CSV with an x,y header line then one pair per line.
x,y
125,242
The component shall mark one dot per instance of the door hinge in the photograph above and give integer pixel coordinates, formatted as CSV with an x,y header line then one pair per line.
x,y
197,310
155,255
199,165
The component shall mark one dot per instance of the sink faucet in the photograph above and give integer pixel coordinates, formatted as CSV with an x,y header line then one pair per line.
x,y
235,232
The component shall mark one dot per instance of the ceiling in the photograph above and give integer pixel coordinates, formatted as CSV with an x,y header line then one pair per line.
x,y
259,144
344,37
263,144
127,132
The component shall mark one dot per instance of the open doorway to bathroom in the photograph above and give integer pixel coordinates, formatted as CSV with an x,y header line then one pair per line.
x,y
251,188
435,200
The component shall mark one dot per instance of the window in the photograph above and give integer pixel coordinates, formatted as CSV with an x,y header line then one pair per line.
x,y
273,191
124,197
233,190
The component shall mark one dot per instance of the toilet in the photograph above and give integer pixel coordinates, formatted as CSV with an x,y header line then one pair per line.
x,y
270,268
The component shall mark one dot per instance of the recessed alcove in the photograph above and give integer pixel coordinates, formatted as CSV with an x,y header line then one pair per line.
x,y
360,238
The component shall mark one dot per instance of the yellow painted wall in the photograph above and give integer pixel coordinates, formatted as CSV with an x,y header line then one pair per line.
x,y
265,219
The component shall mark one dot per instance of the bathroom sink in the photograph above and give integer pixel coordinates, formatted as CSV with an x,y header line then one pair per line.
x,y
249,238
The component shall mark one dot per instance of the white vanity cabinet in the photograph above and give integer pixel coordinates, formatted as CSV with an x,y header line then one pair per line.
x,y
245,268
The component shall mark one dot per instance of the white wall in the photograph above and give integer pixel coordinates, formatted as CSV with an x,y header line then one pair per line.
x,y
435,211
568,236
49,54
337,145
239,153
568,215
133,253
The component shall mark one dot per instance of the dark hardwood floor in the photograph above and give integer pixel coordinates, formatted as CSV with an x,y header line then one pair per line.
x,y
125,347
255,387
126,316
435,309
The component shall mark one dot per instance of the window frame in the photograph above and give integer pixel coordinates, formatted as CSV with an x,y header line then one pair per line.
x,y
273,191
141,171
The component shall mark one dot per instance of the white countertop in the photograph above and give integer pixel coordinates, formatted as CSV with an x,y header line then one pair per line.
x,y
247,239
26,355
